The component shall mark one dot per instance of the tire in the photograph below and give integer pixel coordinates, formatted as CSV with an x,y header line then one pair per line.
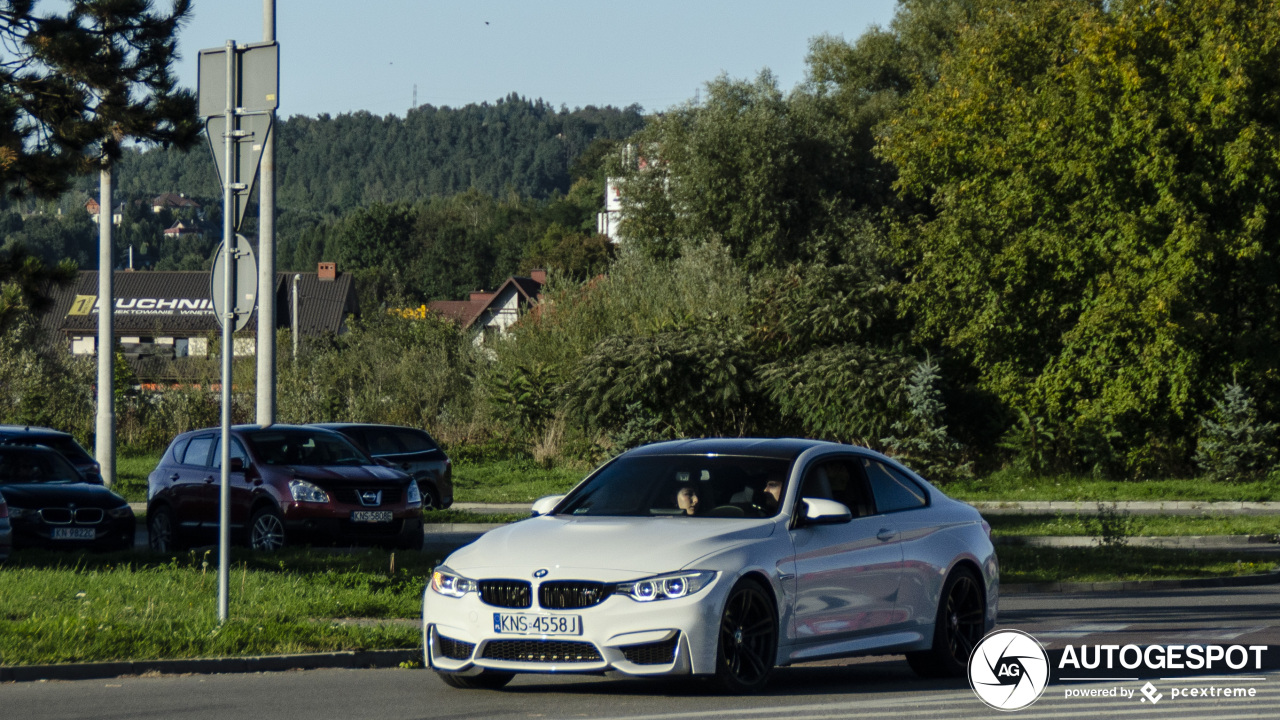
x,y
959,625
163,534
486,680
266,530
430,500
748,639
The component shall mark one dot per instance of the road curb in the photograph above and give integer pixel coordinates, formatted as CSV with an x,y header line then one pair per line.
x,y
209,666
1271,578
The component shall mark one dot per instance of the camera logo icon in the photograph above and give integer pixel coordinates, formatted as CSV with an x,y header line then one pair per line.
x,y
1008,670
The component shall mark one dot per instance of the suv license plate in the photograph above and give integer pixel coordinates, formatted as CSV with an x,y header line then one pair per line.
x,y
531,624
73,534
371,516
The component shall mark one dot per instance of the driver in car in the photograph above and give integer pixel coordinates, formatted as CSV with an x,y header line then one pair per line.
x,y
687,500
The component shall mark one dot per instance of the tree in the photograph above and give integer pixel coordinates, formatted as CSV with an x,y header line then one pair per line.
x,y
76,84
1095,235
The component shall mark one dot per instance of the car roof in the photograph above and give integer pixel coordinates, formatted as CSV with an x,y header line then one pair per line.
x,y
32,430
345,425
782,448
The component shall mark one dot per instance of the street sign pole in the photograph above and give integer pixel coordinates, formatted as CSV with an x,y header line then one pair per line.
x,y
266,356
228,328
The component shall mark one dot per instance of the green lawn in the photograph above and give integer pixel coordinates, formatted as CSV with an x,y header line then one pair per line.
x,y
1033,564
1007,485
57,607
511,481
132,469
1063,524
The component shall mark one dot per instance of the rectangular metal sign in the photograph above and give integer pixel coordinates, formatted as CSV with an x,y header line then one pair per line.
x,y
257,79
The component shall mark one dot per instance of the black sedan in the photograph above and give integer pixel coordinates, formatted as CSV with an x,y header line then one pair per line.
x,y
52,505
63,442
6,532
409,449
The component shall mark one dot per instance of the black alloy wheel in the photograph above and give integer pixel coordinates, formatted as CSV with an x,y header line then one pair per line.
x,y
162,531
961,621
486,680
748,645
266,530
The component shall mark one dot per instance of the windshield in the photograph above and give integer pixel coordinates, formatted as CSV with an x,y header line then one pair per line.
x,y
304,447
683,486
34,465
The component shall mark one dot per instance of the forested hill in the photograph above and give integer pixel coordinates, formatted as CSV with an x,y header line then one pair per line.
x,y
333,164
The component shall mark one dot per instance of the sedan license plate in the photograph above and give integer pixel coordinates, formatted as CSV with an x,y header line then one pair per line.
x,y
73,534
531,624
371,516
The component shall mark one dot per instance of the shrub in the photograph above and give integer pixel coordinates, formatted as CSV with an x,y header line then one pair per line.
x,y
921,438
1234,445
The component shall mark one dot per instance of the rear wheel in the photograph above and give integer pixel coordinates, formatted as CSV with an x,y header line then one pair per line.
x,y
162,531
748,644
266,530
429,499
486,680
961,621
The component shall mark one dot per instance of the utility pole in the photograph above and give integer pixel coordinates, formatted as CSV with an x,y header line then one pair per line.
x,y
105,437
266,412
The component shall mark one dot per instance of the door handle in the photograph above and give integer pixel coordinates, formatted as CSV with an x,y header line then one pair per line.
x,y
174,476
886,534
208,478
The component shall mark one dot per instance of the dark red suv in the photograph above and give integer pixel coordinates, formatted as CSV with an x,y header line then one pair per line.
x,y
289,484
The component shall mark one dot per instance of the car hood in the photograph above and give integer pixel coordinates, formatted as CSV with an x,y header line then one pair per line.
x,y
608,545
38,495
348,474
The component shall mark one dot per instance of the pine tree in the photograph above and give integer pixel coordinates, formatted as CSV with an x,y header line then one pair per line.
x,y
1234,445
921,439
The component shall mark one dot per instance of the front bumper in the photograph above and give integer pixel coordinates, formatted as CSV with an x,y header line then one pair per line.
x,y
664,637
110,534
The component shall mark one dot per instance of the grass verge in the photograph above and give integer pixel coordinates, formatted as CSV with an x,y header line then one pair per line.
x,y
1011,486
511,481
1137,525
1103,564
441,517
58,608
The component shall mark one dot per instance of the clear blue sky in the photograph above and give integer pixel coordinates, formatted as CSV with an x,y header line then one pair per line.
x,y
340,56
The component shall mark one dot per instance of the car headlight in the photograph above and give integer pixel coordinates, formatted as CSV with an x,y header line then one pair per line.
x,y
666,587
17,513
124,511
446,582
304,491
415,496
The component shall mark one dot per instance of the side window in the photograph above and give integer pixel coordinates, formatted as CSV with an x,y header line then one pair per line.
x,y
198,451
838,480
381,442
893,491
414,441
180,447
237,451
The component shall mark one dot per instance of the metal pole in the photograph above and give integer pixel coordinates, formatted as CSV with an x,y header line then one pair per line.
x,y
296,278
266,357
105,437
228,328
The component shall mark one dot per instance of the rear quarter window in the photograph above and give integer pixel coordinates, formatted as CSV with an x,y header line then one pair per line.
x,y
415,441
893,491
197,452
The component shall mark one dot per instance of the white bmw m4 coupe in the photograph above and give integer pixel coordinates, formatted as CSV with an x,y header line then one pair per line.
x,y
723,558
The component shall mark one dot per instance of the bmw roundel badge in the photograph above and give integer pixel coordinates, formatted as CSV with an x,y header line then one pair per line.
x,y
540,573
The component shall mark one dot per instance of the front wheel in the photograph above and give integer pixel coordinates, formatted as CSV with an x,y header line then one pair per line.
x,y
748,642
486,680
961,621
266,530
162,531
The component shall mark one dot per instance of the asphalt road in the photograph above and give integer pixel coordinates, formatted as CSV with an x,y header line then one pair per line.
x,y
870,688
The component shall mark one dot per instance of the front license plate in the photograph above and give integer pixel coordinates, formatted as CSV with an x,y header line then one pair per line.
x,y
371,516
73,534
531,624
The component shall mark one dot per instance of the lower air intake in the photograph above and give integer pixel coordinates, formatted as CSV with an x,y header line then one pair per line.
x,y
541,651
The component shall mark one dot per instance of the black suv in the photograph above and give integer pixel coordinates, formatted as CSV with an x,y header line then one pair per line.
x,y
410,450
58,440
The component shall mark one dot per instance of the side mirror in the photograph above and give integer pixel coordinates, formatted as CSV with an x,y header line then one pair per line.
x,y
820,511
237,464
545,505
